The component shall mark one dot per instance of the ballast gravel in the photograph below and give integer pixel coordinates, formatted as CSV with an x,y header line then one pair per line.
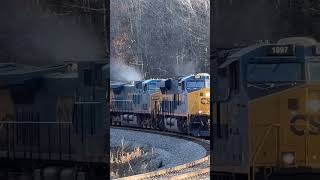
x,y
171,151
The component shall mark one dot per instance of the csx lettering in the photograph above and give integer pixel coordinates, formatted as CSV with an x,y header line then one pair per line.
x,y
205,101
311,121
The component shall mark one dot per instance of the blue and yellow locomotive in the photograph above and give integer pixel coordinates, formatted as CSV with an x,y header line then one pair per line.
x,y
130,102
180,105
267,111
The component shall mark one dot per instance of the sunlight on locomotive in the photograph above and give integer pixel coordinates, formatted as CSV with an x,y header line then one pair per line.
x,y
288,158
208,94
313,105
293,113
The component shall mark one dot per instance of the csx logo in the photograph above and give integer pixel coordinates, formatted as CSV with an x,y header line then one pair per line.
x,y
205,101
301,124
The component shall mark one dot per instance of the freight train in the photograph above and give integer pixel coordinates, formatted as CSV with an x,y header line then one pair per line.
x,y
52,121
179,105
267,107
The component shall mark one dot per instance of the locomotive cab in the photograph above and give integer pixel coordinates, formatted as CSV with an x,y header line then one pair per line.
x,y
194,82
151,85
267,111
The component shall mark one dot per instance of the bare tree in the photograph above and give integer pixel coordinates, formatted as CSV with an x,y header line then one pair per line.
x,y
162,35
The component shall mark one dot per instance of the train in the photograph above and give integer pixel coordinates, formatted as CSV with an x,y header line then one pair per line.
x,y
179,104
266,121
53,120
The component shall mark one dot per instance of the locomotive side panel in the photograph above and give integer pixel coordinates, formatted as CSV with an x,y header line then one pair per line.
x,y
264,121
155,103
199,112
6,105
284,130
199,102
6,114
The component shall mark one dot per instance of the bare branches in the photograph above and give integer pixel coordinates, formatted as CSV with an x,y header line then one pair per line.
x,y
161,34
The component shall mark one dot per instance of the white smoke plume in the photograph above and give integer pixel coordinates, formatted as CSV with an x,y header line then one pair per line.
x,y
120,71
186,68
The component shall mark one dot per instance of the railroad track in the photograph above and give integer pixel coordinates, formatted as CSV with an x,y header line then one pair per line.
x,y
198,169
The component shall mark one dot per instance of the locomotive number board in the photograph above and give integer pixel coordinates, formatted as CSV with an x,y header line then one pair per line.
x,y
281,50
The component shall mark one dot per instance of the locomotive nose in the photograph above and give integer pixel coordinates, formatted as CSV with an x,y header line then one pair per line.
x,y
204,103
313,101
306,101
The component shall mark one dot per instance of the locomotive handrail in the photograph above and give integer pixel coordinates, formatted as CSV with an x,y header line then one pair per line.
x,y
16,77
43,69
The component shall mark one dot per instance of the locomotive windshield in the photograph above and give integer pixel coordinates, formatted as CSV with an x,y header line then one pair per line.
x,y
274,72
153,86
314,73
195,84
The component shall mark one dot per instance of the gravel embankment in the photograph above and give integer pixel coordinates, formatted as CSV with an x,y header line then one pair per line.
x,y
171,151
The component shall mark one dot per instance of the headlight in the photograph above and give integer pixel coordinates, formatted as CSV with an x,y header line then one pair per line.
x,y
288,158
208,94
200,112
313,105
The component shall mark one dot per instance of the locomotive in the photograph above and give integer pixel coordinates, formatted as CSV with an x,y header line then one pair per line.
x,y
179,105
52,120
266,122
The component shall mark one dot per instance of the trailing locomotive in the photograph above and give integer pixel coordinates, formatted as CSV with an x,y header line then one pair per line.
x,y
180,105
52,120
267,110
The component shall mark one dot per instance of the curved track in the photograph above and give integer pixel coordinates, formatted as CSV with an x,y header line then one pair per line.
x,y
198,169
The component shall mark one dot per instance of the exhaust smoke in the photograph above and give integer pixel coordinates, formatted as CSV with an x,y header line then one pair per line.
x,y
120,71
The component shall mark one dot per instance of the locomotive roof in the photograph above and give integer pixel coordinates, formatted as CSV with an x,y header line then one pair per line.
x,y
236,55
149,80
245,50
187,77
13,68
304,41
115,84
12,73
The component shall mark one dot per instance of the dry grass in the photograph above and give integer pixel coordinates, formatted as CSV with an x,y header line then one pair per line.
x,y
126,160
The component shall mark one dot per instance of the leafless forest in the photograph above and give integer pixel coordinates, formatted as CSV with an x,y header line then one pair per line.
x,y
160,39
